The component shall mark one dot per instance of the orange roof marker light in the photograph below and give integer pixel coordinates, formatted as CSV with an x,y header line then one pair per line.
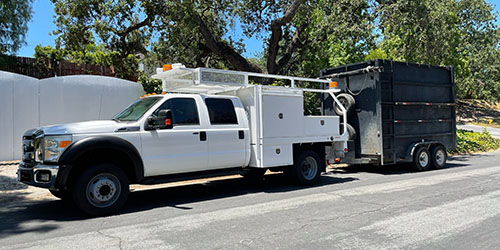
x,y
334,84
163,92
167,67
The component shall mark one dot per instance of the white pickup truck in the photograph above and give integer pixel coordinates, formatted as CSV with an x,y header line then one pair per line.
x,y
211,123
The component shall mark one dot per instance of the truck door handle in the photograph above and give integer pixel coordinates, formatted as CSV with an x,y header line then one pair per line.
x,y
203,136
241,134
195,133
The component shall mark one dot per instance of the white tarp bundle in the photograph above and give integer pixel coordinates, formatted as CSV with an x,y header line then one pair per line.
x,y
27,102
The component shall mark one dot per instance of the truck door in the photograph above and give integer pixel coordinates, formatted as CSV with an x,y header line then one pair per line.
x,y
227,136
183,148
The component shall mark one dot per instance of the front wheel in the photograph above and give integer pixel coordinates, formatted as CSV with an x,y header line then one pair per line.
x,y
306,168
101,189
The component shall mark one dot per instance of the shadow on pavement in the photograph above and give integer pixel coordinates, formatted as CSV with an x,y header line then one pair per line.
x,y
15,217
218,189
397,169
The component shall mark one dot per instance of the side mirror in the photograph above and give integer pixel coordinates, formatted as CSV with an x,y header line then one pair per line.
x,y
166,117
162,121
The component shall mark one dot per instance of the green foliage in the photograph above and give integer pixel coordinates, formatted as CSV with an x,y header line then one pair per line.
x,y
461,33
149,84
14,18
126,67
469,142
321,34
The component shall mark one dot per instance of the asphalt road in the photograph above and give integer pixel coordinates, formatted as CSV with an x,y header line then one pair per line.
x,y
495,132
351,208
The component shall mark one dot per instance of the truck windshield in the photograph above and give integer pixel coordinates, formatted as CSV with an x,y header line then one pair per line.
x,y
137,109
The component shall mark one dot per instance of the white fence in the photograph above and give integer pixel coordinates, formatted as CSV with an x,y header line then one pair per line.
x,y
27,102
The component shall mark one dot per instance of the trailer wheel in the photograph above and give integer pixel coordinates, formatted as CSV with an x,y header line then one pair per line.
x,y
347,101
306,168
101,189
438,155
421,159
350,131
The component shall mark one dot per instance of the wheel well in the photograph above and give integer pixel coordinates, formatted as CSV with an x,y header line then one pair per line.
x,y
112,156
319,148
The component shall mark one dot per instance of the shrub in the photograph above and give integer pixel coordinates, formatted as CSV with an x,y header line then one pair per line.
x,y
468,142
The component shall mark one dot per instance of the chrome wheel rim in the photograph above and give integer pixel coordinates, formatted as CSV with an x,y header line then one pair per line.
x,y
440,157
423,159
309,168
103,190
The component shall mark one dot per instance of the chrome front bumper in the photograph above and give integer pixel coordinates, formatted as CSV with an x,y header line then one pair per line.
x,y
37,175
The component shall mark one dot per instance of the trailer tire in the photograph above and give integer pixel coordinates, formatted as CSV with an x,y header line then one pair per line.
x,y
421,159
306,168
347,101
101,189
350,131
438,156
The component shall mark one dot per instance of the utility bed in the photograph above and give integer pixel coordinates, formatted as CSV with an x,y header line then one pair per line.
x,y
276,113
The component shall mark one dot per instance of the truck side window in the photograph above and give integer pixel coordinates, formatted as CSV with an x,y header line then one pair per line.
x,y
221,111
184,111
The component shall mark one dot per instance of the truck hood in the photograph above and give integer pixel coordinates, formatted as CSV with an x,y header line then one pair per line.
x,y
89,127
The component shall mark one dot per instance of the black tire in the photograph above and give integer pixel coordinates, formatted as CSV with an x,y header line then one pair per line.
x,y
306,168
101,189
421,159
347,101
253,174
350,130
438,156
62,194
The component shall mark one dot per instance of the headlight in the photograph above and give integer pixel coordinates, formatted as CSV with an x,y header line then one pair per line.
x,y
54,146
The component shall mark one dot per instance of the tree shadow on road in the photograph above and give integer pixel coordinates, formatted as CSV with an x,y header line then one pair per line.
x,y
218,189
16,216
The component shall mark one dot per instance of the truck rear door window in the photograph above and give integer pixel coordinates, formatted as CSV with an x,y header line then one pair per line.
x,y
184,111
221,111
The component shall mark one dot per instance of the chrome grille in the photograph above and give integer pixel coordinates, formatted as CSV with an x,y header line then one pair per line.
x,y
28,151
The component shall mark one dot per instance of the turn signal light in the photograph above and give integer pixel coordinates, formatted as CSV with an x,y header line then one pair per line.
x,y
334,84
63,144
167,67
168,122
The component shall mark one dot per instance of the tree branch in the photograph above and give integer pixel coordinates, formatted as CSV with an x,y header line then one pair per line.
x,y
276,35
225,51
136,26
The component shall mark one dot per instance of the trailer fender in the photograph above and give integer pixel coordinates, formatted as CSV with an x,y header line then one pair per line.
x,y
428,144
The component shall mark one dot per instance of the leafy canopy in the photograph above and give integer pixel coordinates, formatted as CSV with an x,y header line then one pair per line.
x,y
14,18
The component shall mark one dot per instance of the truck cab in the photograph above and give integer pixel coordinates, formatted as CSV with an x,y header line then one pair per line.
x,y
183,134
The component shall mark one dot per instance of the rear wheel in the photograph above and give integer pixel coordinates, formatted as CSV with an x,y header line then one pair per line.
x,y
439,155
306,168
101,189
421,159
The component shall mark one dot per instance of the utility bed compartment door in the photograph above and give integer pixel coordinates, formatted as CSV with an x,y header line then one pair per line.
x,y
277,155
321,125
282,115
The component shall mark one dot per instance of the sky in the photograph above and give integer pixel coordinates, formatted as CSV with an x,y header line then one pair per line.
x,y
42,24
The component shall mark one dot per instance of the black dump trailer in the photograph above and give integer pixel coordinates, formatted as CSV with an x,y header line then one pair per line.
x,y
397,112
